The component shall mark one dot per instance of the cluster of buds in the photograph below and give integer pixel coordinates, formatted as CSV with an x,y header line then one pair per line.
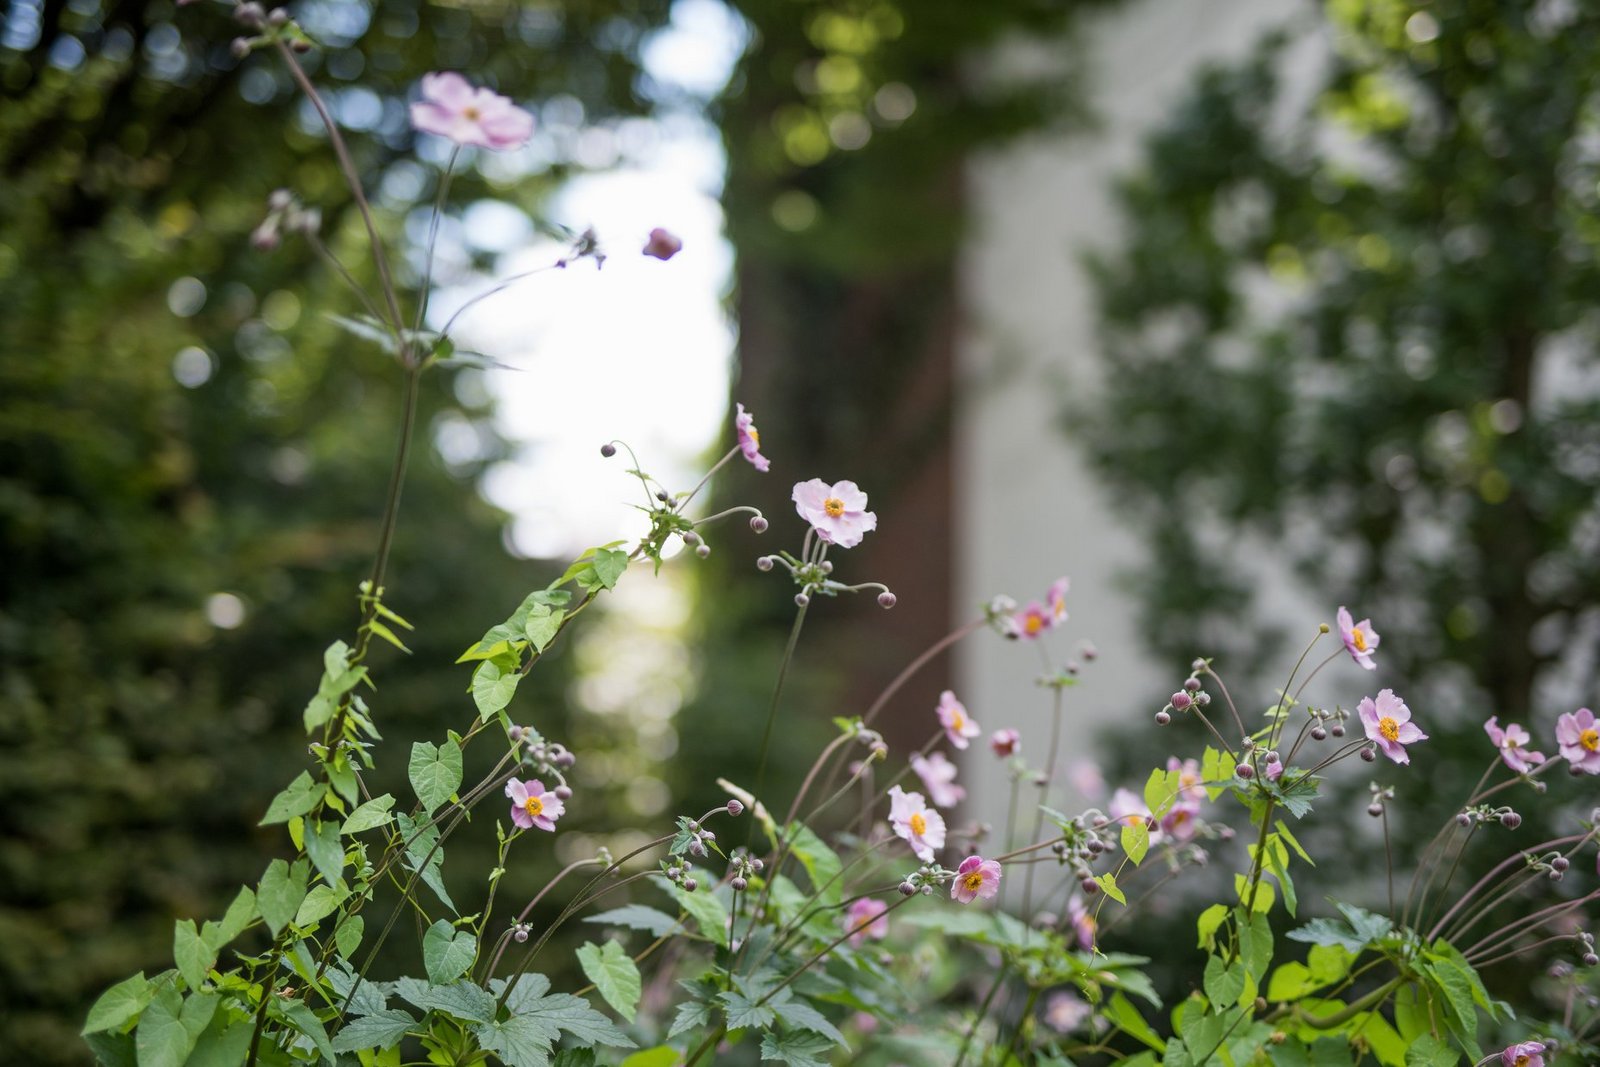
x,y
925,880
1488,813
680,873
1381,795
1191,696
585,245
285,214
270,27
742,867
700,841
667,517
1589,957
999,613
520,931
547,758
813,578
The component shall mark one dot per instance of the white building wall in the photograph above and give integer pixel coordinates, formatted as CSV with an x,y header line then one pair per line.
x,y
1029,507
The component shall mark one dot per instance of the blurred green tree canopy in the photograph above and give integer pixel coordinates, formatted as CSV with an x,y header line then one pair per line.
x,y
1360,328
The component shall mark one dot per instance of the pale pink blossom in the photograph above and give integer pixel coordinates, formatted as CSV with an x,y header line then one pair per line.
x,y
920,825
976,879
838,512
1055,599
744,426
532,806
1512,743
1005,743
1083,924
938,776
1031,621
1064,1012
1181,822
868,918
1086,778
1359,638
1525,1054
1129,809
959,727
1191,785
1579,737
1387,721
451,107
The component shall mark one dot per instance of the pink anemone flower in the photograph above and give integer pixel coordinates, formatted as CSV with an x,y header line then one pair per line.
x,y
1005,743
938,776
1387,721
959,727
976,879
1359,638
482,118
532,806
920,825
866,918
1579,737
838,512
1525,1054
744,425
1512,742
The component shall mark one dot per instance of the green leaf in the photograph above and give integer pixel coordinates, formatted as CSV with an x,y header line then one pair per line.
x,y
691,1015
492,688
223,1043
171,1025
422,841
1223,983
388,635
119,1004
1291,981
1126,1018
464,999
369,816
1255,942
447,952
1282,830
281,890
324,849
348,936
745,1011
1280,870
560,1012
190,952
609,565
660,1056
821,862
797,1013
1161,791
798,1048
381,1030
709,914
1135,841
1429,1051
636,917
1108,882
1216,770
302,1018
542,625
234,920
320,903
1210,921
302,795
435,772
614,975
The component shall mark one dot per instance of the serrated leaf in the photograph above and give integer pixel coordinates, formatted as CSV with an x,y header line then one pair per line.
x,y
518,1041
798,1048
369,816
279,895
636,917
348,936
709,914
614,974
435,772
493,688
190,952
324,849
822,864
382,1030
798,1013
119,1004
746,1011
691,1015
464,999
447,952
300,797
302,1018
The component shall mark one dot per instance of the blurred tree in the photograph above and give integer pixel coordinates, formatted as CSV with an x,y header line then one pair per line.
x,y
1361,328
193,460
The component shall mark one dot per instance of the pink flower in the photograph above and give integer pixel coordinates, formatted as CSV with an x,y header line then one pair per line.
x,y
1526,1054
1083,923
1128,809
1031,621
1273,770
976,879
1005,742
1388,722
1579,738
1086,778
1510,742
920,825
938,776
531,806
958,725
1064,1012
1359,637
1190,787
663,245
1180,823
1055,599
451,107
868,918
838,512
744,425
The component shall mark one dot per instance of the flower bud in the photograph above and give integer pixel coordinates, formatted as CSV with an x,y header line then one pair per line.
x,y
662,245
690,537
250,15
1590,959
886,600
1463,819
1511,820
756,865
735,808
1554,876
907,889
516,733
278,18
1369,754
1375,809
240,47
1202,699
1337,729
763,564
1318,733
801,600
739,885
703,551
1245,771
1561,863
758,524
520,935
1192,685
608,450
1089,886
1163,717
563,792
1181,700
300,45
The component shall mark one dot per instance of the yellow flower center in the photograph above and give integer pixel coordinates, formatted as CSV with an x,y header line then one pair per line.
x,y
1389,729
1358,639
833,506
1590,739
957,721
973,881
918,824
1523,1060
1034,624
755,436
471,114
534,807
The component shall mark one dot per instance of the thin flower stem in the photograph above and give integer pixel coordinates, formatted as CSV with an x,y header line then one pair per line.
x,y
1480,964
523,915
835,943
772,707
1044,794
499,287
1526,925
811,776
910,669
1388,856
1477,887
1437,841
426,290
723,462
1455,864
1277,725
1231,707
1509,782
343,272
342,153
